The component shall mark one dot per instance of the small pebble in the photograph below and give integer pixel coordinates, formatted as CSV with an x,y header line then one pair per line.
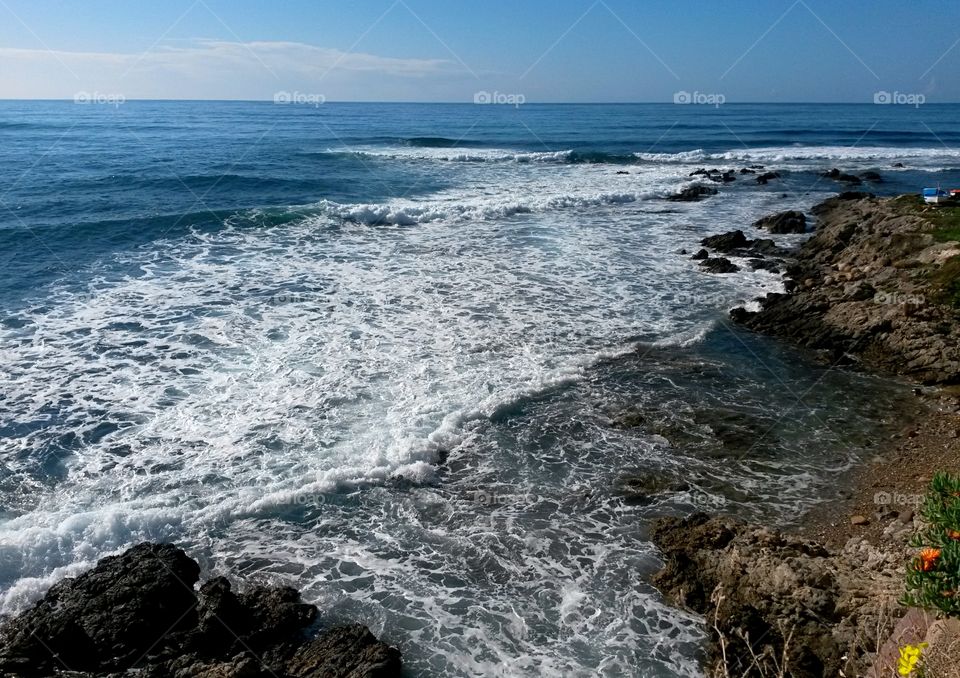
x,y
859,520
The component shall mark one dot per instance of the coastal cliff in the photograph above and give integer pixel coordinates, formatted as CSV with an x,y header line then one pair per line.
x,y
877,285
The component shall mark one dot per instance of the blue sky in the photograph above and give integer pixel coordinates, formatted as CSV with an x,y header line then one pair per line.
x,y
447,50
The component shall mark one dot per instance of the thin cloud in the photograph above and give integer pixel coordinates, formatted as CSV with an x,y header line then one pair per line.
x,y
169,70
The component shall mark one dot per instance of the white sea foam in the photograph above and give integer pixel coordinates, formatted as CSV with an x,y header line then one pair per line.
x,y
217,383
814,157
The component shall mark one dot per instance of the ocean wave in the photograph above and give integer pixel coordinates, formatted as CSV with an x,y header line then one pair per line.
x,y
442,153
411,213
780,154
920,157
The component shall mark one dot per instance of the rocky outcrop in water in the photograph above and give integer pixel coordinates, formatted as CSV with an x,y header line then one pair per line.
x,y
785,222
139,611
693,194
773,600
879,282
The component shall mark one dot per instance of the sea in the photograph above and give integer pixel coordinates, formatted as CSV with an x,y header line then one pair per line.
x,y
407,357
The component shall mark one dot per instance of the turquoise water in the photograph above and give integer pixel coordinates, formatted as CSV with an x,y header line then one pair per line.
x,y
375,351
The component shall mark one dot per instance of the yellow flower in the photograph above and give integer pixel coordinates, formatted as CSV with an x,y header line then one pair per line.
x,y
909,658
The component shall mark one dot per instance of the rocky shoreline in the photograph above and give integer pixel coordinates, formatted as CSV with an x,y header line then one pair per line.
x,y
138,614
876,285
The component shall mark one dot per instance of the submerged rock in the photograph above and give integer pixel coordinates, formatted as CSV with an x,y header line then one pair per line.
x,y
843,177
693,194
139,611
719,265
726,242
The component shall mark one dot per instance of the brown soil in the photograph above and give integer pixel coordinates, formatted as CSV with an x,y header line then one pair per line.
x,y
886,490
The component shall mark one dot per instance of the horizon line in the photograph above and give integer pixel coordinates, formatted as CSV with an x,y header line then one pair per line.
x,y
472,103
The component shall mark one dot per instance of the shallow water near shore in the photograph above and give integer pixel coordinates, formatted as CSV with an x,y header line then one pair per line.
x,y
382,356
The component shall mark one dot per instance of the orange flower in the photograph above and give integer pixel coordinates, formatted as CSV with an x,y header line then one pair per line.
x,y
954,534
928,559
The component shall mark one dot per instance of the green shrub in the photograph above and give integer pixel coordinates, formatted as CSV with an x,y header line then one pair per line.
x,y
933,577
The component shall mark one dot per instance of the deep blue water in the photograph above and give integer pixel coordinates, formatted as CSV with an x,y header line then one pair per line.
x,y
374,351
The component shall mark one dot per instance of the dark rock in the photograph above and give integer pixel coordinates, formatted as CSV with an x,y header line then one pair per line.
x,y
702,254
693,194
898,165
644,489
747,170
784,222
837,175
138,610
872,177
105,618
764,265
727,242
719,265
853,195
345,652
622,172
766,177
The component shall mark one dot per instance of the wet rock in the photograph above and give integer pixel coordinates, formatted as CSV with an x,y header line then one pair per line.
x,y
702,254
784,222
764,265
843,177
693,194
105,618
345,652
747,170
644,488
766,177
727,242
139,610
872,177
719,265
